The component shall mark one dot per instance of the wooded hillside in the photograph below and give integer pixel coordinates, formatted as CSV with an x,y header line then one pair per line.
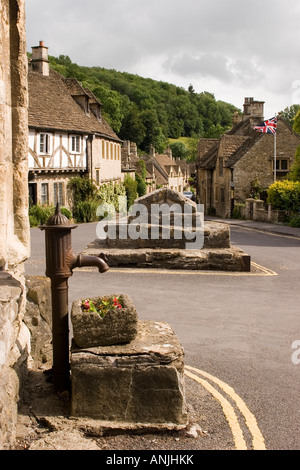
x,y
146,111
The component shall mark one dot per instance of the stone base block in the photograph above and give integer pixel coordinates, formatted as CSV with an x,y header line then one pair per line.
x,y
139,383
230,259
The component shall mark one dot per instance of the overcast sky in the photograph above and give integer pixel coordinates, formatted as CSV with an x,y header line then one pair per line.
x,y
231,48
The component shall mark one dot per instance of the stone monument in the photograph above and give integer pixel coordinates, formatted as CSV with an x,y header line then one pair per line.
x,y
166,230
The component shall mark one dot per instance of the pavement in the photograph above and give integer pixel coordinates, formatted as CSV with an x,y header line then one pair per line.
x,y
279,229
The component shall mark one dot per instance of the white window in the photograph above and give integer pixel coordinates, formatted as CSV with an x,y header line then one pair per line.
x,y
75,143
44,193
58,194
45,144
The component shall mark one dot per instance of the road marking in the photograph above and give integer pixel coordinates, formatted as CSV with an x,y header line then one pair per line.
x,y
266,271
258,442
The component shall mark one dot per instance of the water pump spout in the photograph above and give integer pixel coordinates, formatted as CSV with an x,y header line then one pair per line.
x,y
87,260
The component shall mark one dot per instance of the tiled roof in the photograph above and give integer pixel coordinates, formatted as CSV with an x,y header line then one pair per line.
x,y
51,106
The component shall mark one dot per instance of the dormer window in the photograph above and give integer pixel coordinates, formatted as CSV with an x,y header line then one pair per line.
x,y
75,143
45,144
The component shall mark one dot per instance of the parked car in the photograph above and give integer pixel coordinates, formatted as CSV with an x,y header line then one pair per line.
x,y
189,195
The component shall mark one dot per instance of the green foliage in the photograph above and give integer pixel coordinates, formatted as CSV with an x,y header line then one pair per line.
x,y
294,174
179,149
86,197
141,185
146,111
290,113
140,177
38,214
109,193
211,210
255,189
295,221
237,212
85,211
81,189
131,190
285,195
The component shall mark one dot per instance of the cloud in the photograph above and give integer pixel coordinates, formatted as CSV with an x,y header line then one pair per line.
x,y
240,48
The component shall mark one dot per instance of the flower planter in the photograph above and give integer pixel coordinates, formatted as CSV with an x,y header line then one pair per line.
x,y
119,325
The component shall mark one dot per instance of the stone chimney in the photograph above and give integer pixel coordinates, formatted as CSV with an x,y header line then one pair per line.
x,y
39,61
237,118
254,110
168,151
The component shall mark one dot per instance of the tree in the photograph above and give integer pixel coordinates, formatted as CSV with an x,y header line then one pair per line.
x,y
140,176
179,150
294,174
290,113
132,127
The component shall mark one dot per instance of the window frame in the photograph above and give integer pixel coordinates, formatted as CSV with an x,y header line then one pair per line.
x,y
77,141
45,147
58,193
45,196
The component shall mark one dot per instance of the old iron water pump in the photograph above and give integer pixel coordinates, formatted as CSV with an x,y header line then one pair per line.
x,y
60,262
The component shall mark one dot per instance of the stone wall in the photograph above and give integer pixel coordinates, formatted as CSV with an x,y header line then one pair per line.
x,y
255,209
14,224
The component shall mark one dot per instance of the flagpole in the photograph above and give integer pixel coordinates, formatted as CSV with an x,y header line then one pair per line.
x,y
275,157
275,149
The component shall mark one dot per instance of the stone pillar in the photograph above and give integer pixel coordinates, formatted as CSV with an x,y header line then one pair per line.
x,y
14,224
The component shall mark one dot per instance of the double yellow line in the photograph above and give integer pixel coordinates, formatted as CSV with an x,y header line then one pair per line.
x,y
258,442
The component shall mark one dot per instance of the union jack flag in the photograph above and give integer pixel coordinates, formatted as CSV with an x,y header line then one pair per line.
x,y
267,127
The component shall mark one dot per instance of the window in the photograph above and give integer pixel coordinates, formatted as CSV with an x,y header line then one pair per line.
x,y
75,143
58,193
97,176
282,164
44,193
45,144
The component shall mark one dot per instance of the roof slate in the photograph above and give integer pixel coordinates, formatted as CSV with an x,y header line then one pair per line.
x,y
51,106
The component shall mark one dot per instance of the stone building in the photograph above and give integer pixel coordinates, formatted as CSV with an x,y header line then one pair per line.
x,y
228,168
14,224
166,171
67,134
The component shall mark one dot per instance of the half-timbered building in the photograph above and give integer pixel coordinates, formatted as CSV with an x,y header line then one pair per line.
x,y
67,134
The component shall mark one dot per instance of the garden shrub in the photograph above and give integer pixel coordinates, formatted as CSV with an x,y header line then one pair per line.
x,y
237,212
285,195
131,190
39,214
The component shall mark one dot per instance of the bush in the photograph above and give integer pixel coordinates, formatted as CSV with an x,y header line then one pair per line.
x,y
131,190
141,185
211,210
285,195
38,215
237,212
85,211
295,221
109,193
